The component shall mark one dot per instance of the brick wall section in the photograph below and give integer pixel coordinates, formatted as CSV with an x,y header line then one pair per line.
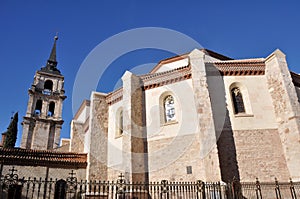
x,y
97,157
287,109
208,146
134,143
260,155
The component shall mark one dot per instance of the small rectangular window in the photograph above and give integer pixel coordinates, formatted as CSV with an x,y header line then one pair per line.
x,y
189,170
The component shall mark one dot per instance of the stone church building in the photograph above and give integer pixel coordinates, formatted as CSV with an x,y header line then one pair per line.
x,y
197,116
200,115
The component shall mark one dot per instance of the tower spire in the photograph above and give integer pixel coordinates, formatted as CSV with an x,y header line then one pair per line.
x,y
52,63
53,51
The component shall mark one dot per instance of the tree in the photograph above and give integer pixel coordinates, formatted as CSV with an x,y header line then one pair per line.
x,y
11,133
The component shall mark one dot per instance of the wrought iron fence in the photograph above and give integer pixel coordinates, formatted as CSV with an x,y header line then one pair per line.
x,y
13,187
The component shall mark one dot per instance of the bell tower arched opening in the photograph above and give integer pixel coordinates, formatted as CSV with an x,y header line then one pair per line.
x,y
38,107
51,109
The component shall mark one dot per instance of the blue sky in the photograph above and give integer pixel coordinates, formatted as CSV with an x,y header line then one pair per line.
x,y
238,29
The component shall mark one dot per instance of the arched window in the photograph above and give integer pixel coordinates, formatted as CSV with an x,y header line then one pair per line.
x,y
51,109
169,108
237,99
38,107
119,122
48,86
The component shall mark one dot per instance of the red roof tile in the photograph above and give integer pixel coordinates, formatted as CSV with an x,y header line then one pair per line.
x,y
52,159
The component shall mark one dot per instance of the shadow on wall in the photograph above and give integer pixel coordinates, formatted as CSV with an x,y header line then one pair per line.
x,y
145,141
224,134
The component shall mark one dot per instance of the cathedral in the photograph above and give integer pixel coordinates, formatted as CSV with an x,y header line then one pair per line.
x,y
197,116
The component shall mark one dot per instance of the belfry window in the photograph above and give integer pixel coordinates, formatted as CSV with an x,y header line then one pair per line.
x,y
38,107
169,108
237,99
51,109
48,86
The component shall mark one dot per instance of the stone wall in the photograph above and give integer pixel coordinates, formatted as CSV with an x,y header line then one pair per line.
x,y
170,157
114,141
257,100
77,137
97,156
134,145
185,121
287,109
207,133
260,155
228,156
40,135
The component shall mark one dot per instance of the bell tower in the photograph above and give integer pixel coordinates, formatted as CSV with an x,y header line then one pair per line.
x,y
43,120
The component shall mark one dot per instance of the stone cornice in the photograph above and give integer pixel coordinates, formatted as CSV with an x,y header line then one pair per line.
x,y
241,67
54,95
226,68
167,77
50,74
115,96
46,120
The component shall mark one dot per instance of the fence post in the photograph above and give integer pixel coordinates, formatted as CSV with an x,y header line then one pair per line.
x,y
72,183
13,185
201,189
292,188
121,187
229,190
277,189
258,189
46,181
164,189
237,189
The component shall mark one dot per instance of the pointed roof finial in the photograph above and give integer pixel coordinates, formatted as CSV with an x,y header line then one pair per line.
x,y
56,36
53,51
52,63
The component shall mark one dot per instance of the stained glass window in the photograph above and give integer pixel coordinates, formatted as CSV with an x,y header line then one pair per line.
x,y
237,99
169,108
